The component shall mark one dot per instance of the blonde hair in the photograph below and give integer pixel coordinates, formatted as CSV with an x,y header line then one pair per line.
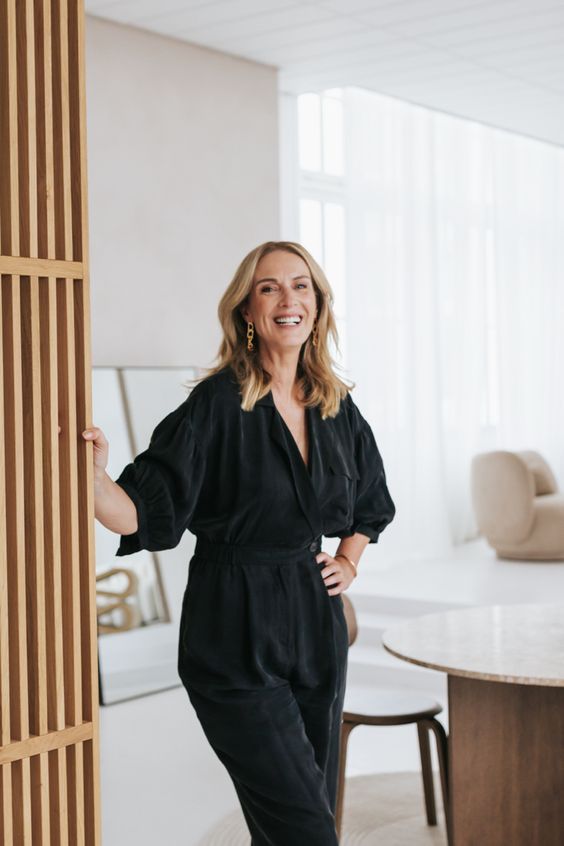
x,y
317,379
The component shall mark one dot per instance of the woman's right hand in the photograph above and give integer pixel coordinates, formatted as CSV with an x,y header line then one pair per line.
x,y
101,448
112,506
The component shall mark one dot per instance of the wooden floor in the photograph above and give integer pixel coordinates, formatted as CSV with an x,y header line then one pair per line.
x,y
384,809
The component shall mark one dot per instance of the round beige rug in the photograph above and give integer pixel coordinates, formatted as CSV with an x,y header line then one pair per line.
x,y
384,810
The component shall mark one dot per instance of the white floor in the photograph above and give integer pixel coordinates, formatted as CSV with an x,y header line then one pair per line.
x,y
161,783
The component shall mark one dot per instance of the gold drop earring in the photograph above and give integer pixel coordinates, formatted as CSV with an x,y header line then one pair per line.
x,y
250,336
314,332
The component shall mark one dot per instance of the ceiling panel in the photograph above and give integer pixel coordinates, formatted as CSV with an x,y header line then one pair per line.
x,y
476,22
229,12
278,40
488,40
393,64
265,23
496,61
349,7
329,45
375,52
137,9
503,56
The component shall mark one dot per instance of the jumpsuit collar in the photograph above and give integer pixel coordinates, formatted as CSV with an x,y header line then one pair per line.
x,y
322,447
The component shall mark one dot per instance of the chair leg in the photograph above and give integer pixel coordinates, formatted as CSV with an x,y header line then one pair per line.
x,y
427,772
432,724
346,729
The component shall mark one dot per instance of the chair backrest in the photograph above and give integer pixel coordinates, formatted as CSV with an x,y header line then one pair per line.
x,y
503,492
545,481
350,617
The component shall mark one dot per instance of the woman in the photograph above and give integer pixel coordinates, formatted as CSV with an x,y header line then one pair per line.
x,y
267,454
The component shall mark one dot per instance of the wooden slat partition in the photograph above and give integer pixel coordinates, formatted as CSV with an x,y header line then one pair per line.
x,y
49,740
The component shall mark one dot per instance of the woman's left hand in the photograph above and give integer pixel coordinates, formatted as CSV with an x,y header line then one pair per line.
x,y
337,573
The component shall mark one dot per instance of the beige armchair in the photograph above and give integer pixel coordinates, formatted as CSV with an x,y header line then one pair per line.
x,y
518,507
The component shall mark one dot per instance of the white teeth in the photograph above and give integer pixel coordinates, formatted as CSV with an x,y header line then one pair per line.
x,y
293,320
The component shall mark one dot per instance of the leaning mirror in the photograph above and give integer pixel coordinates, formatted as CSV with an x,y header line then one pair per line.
x,y
139,596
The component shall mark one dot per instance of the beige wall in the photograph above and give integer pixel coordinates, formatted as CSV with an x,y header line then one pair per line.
x,y
183,181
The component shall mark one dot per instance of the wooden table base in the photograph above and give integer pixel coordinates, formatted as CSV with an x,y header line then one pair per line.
x,y
506,753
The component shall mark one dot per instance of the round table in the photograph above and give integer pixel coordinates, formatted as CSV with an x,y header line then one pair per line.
x,y
505,668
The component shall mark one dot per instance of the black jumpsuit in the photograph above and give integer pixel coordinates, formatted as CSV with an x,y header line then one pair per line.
x,y
263,646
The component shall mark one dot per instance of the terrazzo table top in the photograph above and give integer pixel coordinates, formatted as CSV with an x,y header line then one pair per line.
x,y
519,644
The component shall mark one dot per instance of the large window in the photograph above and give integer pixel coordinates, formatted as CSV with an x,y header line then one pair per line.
x,y
444,242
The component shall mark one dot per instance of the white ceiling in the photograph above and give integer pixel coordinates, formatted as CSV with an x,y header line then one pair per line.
x,y
497,61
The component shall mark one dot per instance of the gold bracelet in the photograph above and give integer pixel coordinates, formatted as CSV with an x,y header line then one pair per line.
x,y
351,562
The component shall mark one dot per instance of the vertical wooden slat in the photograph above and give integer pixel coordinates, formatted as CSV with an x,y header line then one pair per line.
x,y
11,185
75,774
35,551
15,536
8,243
58,796
29,39
24,804
63,190
53,584
44,97
88,618
69,537
65,134
90,704
75,763
23,128
6,825
65,354
5,136
47,293
58,141
6,831
34,587
77,116
48,306
21,789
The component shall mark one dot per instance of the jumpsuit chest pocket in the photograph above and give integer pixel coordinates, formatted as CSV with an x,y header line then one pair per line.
x,y
341,482
341,467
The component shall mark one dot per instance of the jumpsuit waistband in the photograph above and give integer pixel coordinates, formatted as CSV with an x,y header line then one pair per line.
x,y
240,554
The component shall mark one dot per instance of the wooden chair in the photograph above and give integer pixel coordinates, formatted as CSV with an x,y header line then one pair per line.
x,y
383,707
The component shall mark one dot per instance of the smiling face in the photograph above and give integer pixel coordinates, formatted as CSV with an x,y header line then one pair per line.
x,y
282,303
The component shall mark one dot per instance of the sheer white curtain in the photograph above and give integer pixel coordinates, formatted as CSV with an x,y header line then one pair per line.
x,y
455,303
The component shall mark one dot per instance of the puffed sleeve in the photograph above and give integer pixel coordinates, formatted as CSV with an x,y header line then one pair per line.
x,y
164,480
374,508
